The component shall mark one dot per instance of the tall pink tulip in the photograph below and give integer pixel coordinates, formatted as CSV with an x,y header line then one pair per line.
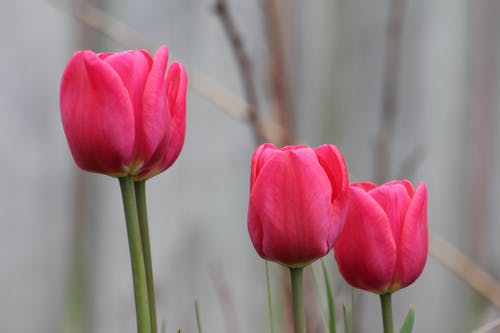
x,y
297,202
383,246
120,114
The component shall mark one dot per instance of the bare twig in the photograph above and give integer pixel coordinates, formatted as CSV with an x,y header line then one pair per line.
x,y
488,327
391,71
466,269
481,125
244,66
280,105
411,162
122,33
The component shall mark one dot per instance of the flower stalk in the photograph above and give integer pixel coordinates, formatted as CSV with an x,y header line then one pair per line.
x,y
136,255
140,195
299,315
386,304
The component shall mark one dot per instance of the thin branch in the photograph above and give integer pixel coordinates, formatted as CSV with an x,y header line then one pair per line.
x,y
99,20
244,65
479,280
391,71
411,162
277,68
488,327
121,33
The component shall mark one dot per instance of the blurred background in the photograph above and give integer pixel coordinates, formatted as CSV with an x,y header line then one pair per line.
x,y
405,88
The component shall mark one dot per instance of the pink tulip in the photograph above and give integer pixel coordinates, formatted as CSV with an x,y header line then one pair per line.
x,y
383,246
120,114
297,202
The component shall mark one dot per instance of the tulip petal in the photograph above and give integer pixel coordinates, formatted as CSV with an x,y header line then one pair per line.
x,y
290,207
97,115
332,160
171,145
258,162
365,186
133,67
365,250
254,226
406,183
393,198
176,86
414,239
155,118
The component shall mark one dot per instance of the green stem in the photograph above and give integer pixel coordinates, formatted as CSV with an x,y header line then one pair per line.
x,y
329,298
136,256
386,303
299,315
269,300
140,195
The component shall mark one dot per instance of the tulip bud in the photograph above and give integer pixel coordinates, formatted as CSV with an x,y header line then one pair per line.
x,y
383,246
115,110
297,202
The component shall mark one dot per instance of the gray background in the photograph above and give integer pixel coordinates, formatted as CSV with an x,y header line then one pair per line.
x,y
64,264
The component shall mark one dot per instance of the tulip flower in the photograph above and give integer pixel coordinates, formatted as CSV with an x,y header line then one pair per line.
x,y
122,117
120,114
296,209
297,202
383,246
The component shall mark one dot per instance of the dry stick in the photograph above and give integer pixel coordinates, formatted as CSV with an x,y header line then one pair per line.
x,y
439,249
388,113
244,66
411,162
489,327
277,69
466,269
280,106
120,32
391,71
481,127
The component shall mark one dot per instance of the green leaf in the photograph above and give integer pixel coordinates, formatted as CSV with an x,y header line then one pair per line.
x,y
352,312
344,317
319,296
197,313
408,324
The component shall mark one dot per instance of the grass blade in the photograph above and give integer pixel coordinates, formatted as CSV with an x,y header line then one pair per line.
x,y
197,313
344,317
